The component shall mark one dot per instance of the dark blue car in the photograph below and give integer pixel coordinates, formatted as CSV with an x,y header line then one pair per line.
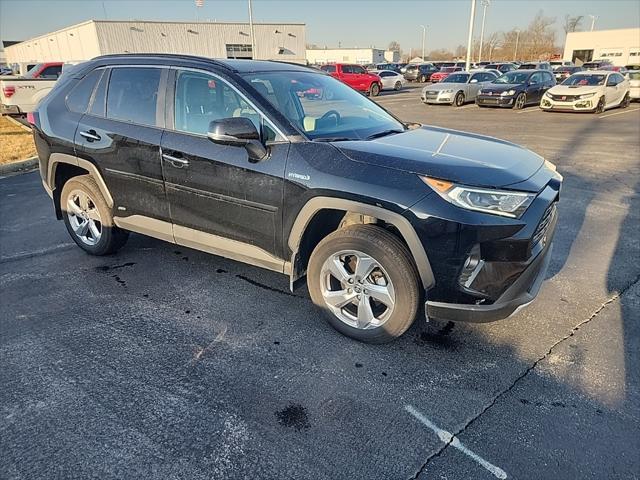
x,y
516,89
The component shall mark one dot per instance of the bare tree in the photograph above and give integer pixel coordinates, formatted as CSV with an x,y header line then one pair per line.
x,y
394,46
571,24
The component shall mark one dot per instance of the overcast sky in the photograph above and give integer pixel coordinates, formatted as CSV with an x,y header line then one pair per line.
x,y
360,23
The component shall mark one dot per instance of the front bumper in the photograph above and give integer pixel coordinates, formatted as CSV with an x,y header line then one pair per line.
x,y
446,98
584,105
495,101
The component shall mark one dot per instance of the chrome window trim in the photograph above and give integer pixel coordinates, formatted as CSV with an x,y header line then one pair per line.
x,y
263,116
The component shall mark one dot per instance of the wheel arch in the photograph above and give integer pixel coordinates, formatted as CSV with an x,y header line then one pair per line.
x,y
62,167
323,215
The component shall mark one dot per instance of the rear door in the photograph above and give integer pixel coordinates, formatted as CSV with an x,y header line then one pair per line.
x,y
614,89
121,134
215,192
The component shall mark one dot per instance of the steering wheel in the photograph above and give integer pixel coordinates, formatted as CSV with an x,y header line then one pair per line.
x,y
329,114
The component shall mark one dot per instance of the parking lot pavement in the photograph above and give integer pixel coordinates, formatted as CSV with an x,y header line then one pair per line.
x,y
170,363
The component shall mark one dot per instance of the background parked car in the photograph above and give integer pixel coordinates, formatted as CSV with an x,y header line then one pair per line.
x,y
458,88
420,72
589,91
516,89
443,73
389,66
535,66
596,64
555,64
562,73
355,76
501,67
634,81
390,80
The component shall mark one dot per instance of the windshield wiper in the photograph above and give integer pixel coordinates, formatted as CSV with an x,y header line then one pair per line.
x,y
333,139
384,133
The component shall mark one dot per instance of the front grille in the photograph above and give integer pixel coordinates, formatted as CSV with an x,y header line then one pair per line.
x,y
542,227
565,98
432,94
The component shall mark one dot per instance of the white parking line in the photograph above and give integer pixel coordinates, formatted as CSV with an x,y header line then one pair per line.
x,y
618,113
534,109
447,437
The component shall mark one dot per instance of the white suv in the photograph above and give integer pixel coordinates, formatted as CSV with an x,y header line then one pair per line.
x,y
589,91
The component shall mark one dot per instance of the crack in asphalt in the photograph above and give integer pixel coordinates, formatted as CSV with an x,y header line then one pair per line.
x,y
520,377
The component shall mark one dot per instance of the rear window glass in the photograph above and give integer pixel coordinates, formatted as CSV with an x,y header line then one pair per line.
x,y
78,99
133,95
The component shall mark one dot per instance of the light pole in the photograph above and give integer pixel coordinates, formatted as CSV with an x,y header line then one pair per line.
x,y
253,36
485,4
471,18
424,35
515,53
593,21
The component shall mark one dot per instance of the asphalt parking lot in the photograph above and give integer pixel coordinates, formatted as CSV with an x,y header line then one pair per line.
x,y
165,362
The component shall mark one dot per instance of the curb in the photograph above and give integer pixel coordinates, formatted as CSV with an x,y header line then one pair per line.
x,y
18,124
19,167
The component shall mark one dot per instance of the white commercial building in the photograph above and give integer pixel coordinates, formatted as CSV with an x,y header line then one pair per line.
x,y
273,41
621,46
362,56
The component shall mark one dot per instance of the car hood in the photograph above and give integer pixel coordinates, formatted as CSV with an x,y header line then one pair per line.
x,y
501,87
567,90
452,155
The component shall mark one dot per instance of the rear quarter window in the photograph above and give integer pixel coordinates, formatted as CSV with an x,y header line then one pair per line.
x,y
80,96
328,68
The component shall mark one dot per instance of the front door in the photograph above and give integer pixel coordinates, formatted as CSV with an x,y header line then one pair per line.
x,y
221,201
536,85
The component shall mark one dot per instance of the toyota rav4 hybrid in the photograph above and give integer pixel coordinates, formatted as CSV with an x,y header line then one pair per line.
x,y
228,157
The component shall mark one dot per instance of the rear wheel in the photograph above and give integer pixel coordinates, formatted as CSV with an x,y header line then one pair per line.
x,y
459,100
600,107
364,279
397,86
374,90
521,101
88,218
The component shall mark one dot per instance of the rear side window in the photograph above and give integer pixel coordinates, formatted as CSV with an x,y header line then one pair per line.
x,y
98,106
329,68
78,99
133,95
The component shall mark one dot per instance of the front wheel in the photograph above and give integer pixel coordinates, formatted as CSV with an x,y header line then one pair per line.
x,y
374,90
600,107
521,101
423,79
397,86
459,100
88,218
625,101
364,279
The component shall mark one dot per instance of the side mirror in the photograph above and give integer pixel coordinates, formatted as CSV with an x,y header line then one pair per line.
x,y
474,80
238,132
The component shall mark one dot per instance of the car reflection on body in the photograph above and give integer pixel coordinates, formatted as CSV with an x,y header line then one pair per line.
x,y
458,88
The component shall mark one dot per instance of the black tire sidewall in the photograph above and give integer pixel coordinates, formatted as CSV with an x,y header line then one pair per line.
x,y
398,86
374,90
524,103
398,266
455,101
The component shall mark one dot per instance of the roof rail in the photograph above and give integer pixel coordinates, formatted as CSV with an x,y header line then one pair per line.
x,y
164,55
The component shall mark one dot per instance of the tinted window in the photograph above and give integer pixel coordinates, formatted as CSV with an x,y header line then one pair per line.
x,y
133,95
357,69
483,77
51,72
328,68
386,74
201,98
548,78
536,78
98,106
78,99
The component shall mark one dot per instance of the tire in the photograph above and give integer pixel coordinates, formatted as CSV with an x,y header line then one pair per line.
x,y
625,101
88,217
374,90
391,270
600,107
423,79
521,101
397,86
459,100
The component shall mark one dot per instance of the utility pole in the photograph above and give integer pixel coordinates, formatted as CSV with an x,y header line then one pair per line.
x,y
593,21
515,53
485,4
424,34
469,40
253,36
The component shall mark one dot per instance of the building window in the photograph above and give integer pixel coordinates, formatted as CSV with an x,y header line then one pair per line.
x,y
237,50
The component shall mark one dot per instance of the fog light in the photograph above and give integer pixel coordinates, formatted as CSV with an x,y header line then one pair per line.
x,y
472,264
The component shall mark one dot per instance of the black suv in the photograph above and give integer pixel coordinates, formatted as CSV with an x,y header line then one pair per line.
x,y
235,158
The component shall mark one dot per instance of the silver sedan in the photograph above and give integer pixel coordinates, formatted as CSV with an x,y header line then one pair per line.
x,y
390,80
458,88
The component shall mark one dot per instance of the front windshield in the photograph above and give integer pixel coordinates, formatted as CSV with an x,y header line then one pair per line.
x,y
585,80
457,78
513,77
323,107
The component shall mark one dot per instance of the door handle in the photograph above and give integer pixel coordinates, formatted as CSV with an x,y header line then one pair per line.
x,y
175,161
90,135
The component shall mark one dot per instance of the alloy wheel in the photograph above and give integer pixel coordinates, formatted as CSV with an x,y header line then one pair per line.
x,y
357,289
84,217
520,101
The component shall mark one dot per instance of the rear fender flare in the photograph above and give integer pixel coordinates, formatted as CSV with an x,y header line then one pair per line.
x,y
57,158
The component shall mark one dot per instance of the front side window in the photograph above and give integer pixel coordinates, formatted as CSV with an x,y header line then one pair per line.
x,y
79,98
328,68
323,107
201,98
133,95
358,69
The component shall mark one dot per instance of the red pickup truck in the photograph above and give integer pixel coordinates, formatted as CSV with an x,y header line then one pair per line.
x,y
355,76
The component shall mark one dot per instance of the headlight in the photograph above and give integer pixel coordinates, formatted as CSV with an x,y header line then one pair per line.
x,y
548,95
587,95
446,91
497,202
508,94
